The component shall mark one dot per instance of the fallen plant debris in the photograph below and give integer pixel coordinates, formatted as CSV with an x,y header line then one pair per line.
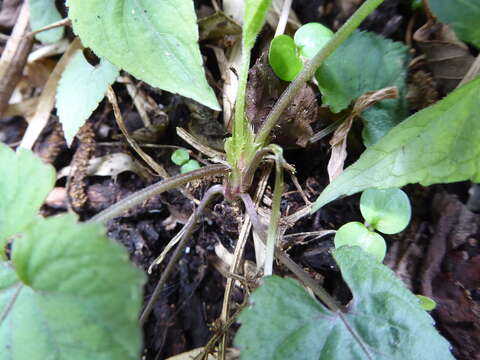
x,y
202,207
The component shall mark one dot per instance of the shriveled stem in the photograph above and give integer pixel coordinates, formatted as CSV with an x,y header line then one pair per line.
x,y
309,70
283,19
276,214
207,198
171,183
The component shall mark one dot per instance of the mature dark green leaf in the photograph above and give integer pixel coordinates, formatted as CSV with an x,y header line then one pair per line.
x,y
25,184
43,13
75,296
463,15
384,320
80,90
439,144
156,41
366,62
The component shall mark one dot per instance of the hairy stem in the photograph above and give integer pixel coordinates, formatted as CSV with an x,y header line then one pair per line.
x,y
140,196
207,198
309,70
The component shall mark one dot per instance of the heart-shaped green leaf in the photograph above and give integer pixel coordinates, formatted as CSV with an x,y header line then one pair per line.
x,y
155,41
384,320
283,58
346,75
74,296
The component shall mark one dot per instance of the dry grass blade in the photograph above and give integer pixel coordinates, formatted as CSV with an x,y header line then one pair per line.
x,y
47,99
121,124
14,57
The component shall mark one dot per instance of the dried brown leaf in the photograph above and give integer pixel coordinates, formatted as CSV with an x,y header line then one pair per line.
x,y
339,139
448,58
263,90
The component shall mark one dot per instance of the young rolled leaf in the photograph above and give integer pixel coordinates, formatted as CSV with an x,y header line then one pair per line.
x,y
439,144
155,41
22,192
255,13
240,146
346,75
463,15
80,90
384,320
44,13
74,295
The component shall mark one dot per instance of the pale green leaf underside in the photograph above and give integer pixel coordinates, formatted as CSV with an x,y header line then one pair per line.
x,y
76,297
463,15
44,13
285,322
155,41
347,74
80,90
25,184
440,144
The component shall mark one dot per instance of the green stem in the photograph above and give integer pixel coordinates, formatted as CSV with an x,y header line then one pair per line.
x,y
139,197
239,124
309,70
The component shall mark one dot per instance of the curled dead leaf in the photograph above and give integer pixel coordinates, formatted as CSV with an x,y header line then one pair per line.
x,y
448,58
339,139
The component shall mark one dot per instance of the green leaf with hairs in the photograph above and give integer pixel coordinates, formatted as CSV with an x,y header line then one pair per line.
x,y
366,62
155,41
383,321
440,144
74,295
255,14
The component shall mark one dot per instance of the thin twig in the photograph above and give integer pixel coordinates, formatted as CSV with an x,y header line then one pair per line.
x,y
282,21
139,197
207,198
273,229
238,254
121,124
60,23
326,131
14,57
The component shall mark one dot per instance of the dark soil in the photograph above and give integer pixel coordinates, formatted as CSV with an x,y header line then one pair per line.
x,y
438,255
